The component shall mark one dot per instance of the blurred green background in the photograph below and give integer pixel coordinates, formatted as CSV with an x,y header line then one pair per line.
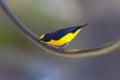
x,y
20,59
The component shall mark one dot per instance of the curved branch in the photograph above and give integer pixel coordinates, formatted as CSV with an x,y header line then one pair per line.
x,y
106,49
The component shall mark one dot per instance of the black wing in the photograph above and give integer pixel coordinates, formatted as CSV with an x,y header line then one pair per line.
x,y
62,32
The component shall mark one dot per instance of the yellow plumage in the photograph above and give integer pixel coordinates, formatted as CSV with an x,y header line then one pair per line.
x,y
65,39
62,37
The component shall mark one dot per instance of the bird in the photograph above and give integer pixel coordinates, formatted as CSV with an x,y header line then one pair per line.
x,y
62,37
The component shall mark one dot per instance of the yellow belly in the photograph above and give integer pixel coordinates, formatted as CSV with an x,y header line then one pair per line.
x,y
67,38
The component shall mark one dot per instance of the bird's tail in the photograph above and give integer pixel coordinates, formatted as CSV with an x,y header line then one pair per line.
x,y
83,25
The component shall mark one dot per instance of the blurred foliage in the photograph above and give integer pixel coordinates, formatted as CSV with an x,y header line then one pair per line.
x,y
33,16
18,54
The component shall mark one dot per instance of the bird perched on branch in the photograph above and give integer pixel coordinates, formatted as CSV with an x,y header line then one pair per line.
x,y
62,37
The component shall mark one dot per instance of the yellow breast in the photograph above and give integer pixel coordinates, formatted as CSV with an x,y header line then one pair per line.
x,y
65,39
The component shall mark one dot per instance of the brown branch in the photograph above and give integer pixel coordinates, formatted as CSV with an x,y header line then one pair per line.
x,y
106,49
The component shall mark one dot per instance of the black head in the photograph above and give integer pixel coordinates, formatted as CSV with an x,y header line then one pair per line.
x,y
46,37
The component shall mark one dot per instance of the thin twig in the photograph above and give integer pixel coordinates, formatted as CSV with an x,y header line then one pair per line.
x,y
106,49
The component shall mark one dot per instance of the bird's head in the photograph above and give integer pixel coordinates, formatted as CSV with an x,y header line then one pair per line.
x,y
45,37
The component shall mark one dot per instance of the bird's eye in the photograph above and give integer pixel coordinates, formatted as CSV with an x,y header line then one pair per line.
x,y
42,36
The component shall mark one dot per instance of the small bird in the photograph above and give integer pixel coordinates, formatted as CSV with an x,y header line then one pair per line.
x,y
62,37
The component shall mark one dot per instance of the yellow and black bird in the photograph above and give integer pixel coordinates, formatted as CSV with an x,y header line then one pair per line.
x,y
62,37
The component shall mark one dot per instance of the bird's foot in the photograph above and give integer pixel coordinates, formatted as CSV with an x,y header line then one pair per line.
x,y
62,48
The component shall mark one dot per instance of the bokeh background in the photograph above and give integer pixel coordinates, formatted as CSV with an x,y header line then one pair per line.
x,y
20,59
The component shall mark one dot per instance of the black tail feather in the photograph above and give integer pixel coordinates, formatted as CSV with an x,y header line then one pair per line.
x,y
83,25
